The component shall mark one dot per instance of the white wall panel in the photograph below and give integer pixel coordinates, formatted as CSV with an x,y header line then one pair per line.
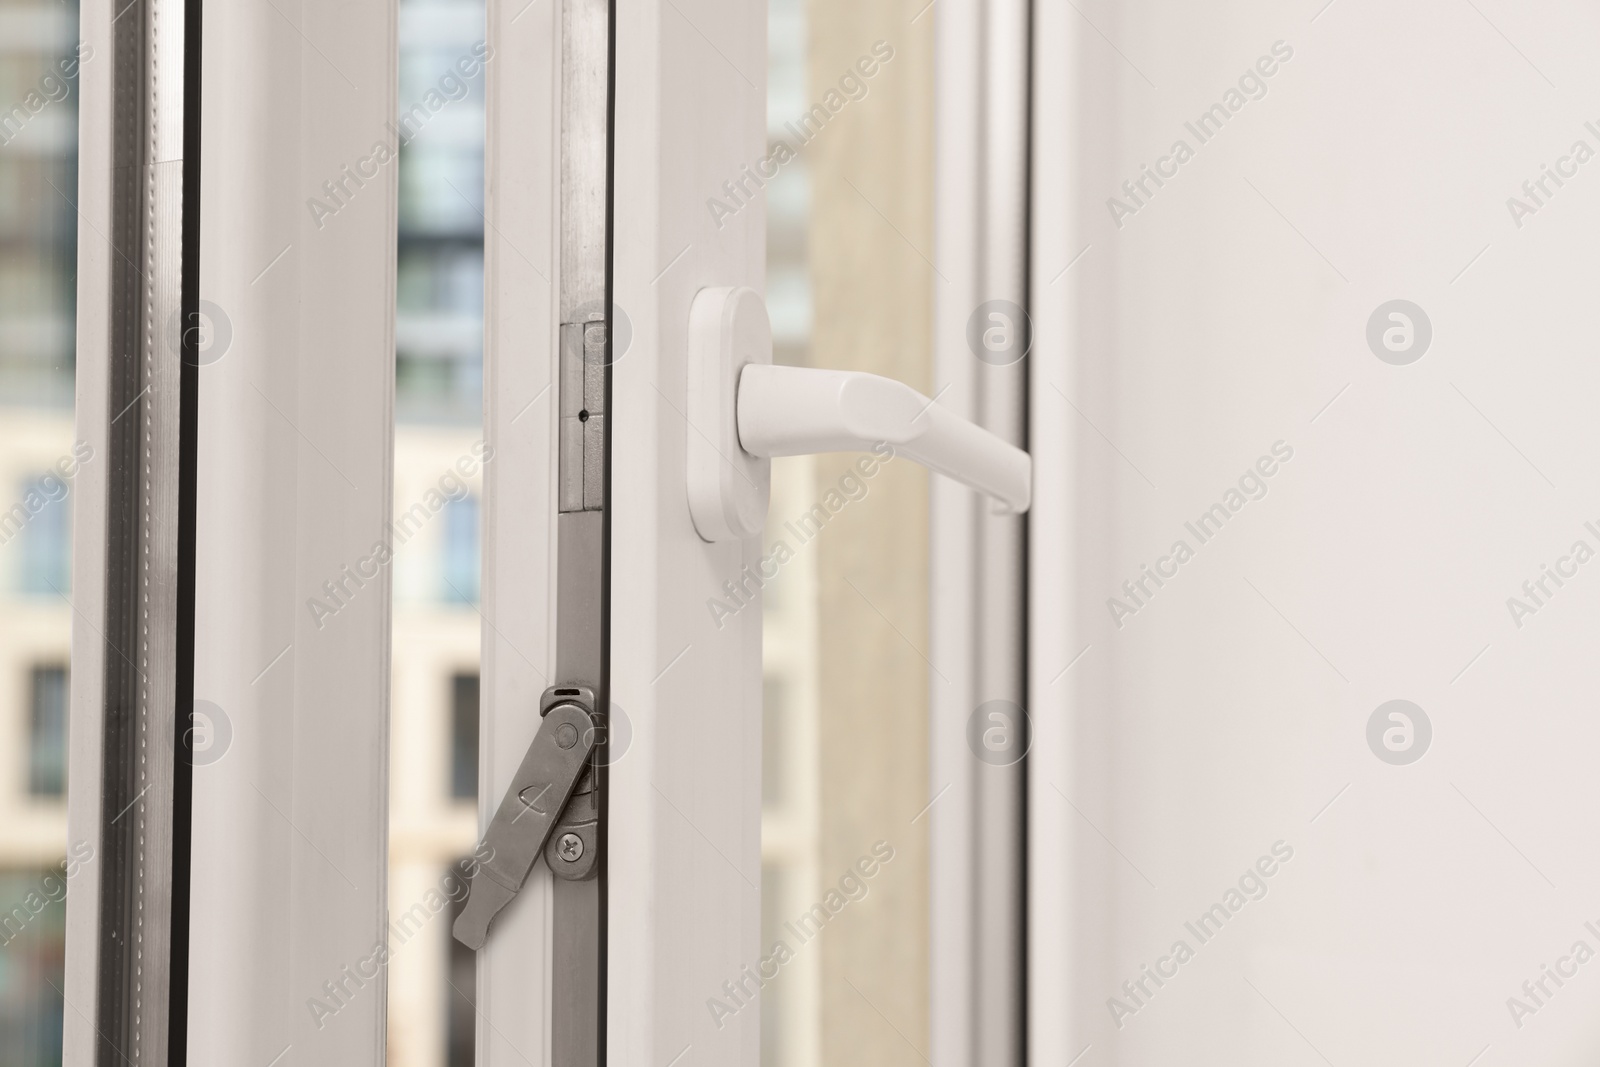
x,y
1229,313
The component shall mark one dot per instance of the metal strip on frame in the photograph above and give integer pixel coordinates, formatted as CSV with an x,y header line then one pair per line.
x,y
582,529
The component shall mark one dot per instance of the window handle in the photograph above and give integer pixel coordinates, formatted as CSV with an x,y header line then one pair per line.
x,y
743,411
795,411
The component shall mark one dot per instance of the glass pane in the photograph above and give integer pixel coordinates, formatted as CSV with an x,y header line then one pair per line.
x,y
847,183
437,488
38,464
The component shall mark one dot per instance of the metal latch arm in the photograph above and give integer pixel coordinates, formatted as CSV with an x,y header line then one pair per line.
x,y
517,834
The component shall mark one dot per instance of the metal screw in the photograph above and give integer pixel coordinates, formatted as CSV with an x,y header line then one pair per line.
x,y
566,735
571,847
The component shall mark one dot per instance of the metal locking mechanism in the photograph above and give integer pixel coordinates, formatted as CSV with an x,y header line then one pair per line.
x,y
550,808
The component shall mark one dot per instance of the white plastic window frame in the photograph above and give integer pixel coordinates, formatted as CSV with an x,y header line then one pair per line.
x,y
294,436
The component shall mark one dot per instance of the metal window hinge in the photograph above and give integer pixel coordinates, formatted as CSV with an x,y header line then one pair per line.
x,y
549,808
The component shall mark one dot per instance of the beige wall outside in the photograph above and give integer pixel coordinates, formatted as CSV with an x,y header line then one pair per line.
x,y
871,243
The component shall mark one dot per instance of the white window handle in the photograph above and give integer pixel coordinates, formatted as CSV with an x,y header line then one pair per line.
x,y
743,411
794,411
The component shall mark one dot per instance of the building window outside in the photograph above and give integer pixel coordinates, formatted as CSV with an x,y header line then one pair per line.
x,y
464,737
32,966
47,732
462,550
44,540
461,1014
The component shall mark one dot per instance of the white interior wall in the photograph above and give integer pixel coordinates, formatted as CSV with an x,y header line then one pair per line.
x,y
1230,713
